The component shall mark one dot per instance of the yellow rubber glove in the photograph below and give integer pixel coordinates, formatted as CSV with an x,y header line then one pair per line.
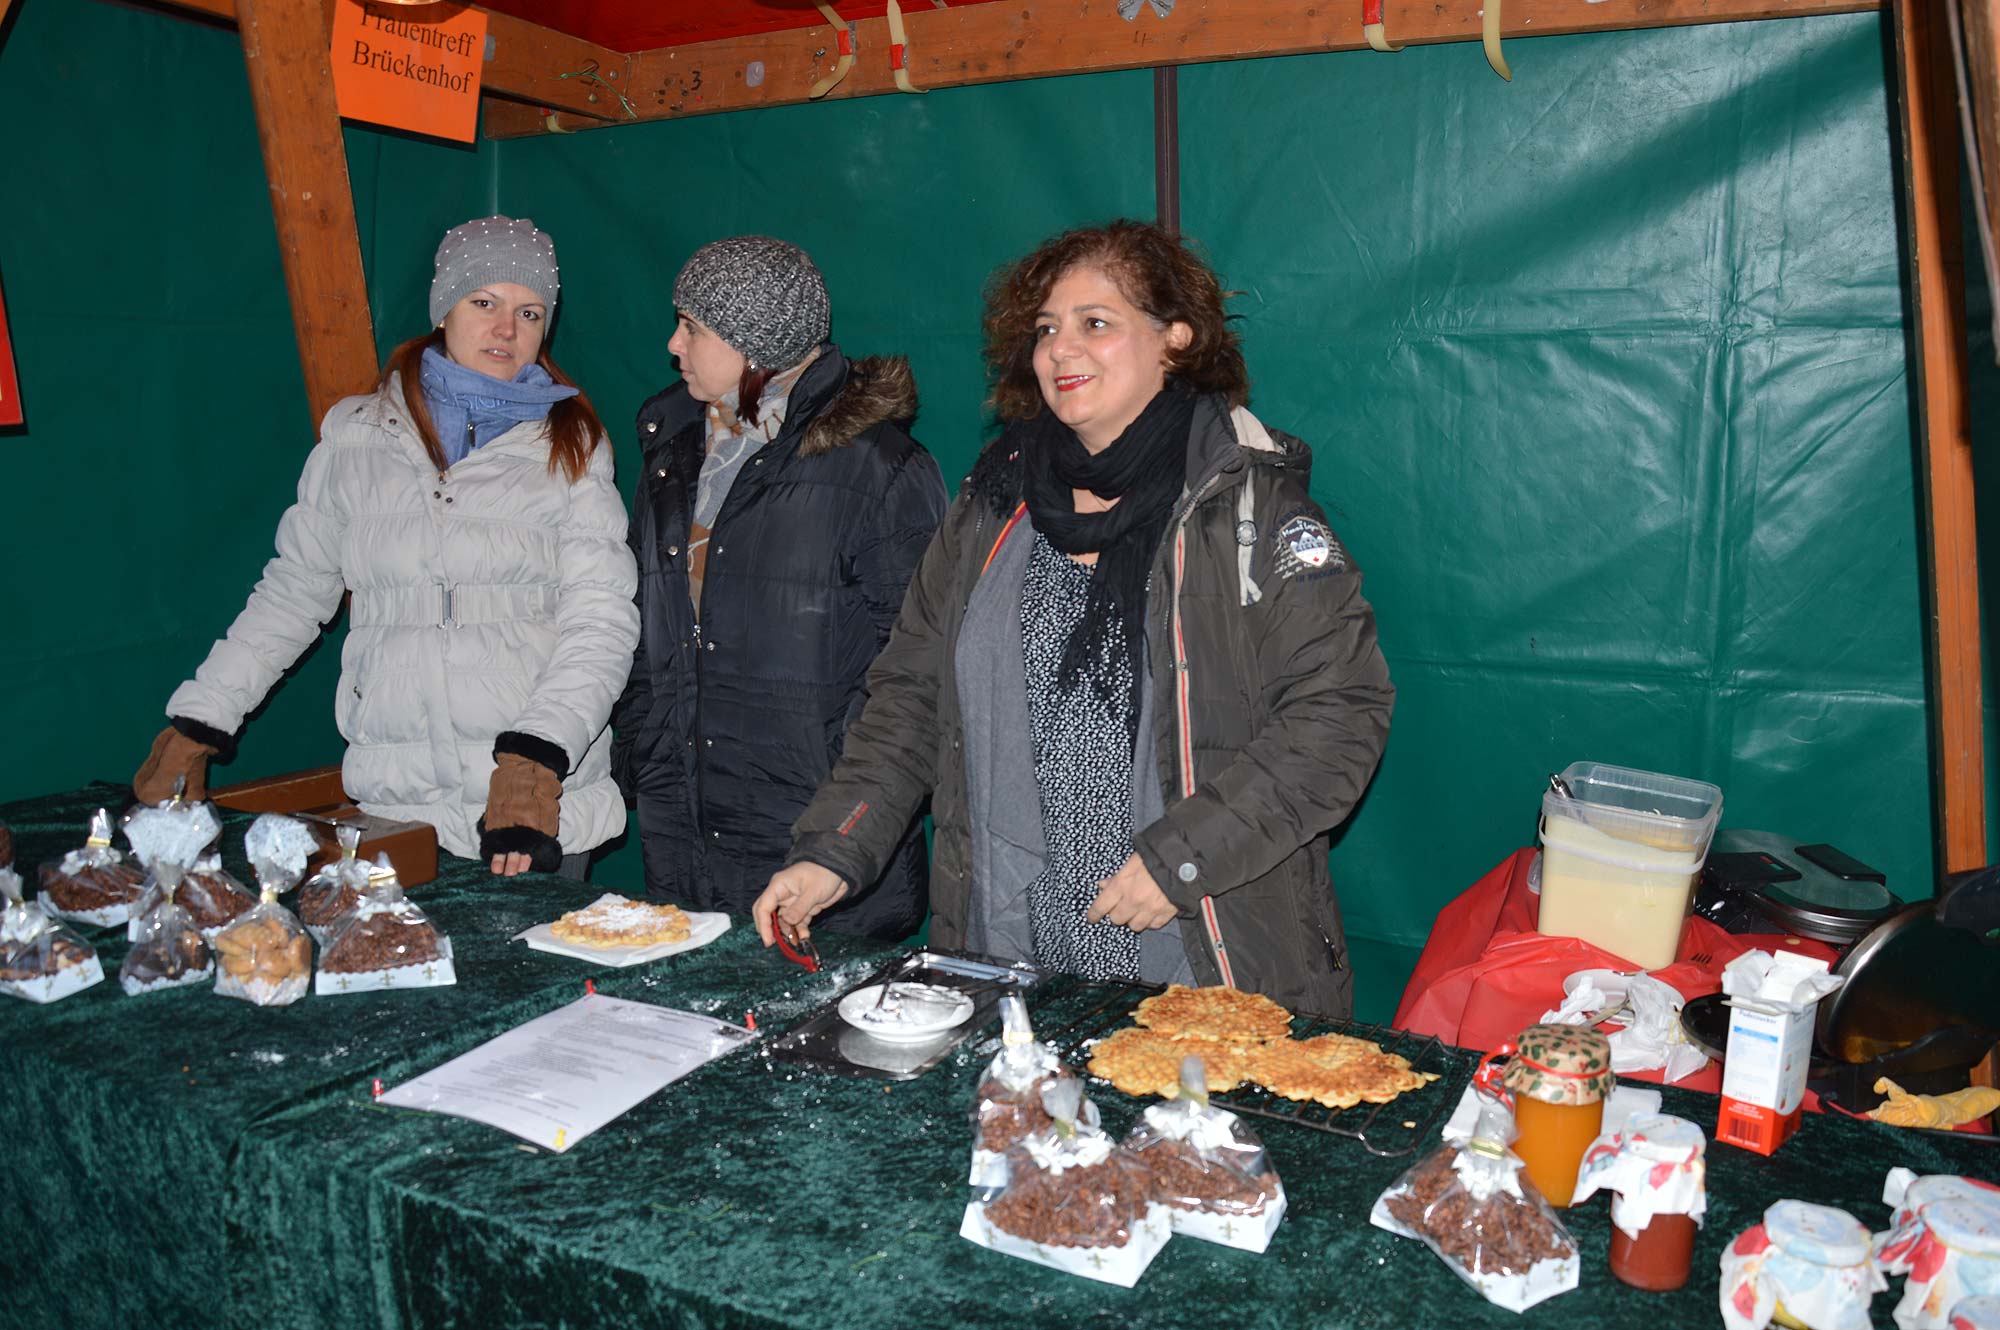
x,y
1904,1109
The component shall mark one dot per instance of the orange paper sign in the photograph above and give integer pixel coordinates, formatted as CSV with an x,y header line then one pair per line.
x,y
410,68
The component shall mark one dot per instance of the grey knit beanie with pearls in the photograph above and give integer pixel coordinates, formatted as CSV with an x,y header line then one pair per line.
x,y
762,296
488,250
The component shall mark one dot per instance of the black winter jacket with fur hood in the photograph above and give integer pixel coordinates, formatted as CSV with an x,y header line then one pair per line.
x,y
726,728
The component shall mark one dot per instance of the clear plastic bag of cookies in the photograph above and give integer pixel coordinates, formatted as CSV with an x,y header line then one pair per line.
x,y
1007,1107
41,958
1073,1199
167,949
1207,1167
385,941
96,884
336,888
265,957
212,896
1469,1202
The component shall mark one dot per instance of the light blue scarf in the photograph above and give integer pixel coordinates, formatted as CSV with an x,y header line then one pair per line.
x,y
470,409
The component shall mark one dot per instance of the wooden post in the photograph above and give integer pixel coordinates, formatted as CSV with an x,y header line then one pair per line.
x,y
1928,115
285,44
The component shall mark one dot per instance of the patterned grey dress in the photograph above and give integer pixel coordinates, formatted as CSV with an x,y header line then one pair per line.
x,y
1083,770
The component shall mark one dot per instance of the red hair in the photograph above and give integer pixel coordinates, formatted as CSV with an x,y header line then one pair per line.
x,y
574,428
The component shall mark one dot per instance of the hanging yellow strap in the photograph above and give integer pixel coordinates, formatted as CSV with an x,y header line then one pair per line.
x,y
844,38
899,50
1489,35
1372,28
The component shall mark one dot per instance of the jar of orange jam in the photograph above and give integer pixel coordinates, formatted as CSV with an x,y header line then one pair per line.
x,y
1559,1076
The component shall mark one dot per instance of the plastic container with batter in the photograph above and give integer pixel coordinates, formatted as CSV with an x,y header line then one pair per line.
x,y
1620,856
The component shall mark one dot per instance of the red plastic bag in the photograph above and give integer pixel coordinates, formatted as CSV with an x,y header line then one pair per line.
x,y
1485,973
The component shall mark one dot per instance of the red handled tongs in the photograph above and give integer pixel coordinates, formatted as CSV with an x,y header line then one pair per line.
x,y
797,949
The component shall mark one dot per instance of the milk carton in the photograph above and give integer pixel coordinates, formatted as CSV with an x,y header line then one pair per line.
x,y
1773,1002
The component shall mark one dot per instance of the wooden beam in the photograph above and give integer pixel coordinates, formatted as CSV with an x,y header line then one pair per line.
x,y
1928,116
285,55
525,62
1018,39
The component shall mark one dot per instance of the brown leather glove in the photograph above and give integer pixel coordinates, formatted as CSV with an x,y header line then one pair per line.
x,y
524,793
174,757
523,812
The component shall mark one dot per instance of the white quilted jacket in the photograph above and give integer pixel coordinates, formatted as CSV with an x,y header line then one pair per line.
x,y
493,597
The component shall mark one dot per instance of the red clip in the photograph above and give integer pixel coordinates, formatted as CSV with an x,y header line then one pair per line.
x,y
844,42
896,56
749,1020
590,986
1487,1077
376,1091
1371,11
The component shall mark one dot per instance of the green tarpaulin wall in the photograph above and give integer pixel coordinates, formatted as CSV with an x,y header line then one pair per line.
x,y
1605,371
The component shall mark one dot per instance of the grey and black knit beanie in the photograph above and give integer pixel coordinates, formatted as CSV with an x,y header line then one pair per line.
x,y
488,250
762,296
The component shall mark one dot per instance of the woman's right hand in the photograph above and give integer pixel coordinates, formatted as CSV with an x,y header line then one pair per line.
x,y
794,896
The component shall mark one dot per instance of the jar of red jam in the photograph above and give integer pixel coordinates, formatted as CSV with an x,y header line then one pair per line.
x,y
1656,1170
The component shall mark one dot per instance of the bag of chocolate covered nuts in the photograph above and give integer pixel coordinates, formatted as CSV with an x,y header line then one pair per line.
x,y
95,884
167,948
336,888
385,941
1074,1199
1206,1167
1007,1107
41,958
1468,1202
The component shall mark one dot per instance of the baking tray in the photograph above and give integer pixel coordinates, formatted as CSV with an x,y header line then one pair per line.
x,y
826,1042
1390,1130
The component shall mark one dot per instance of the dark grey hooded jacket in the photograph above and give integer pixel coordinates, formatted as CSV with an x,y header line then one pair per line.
x,y
1269,704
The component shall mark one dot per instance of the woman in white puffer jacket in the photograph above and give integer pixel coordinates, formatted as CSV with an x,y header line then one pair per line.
x,y
468,505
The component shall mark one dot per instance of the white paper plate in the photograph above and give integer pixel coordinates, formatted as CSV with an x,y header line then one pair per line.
x,y
956,1009
702,929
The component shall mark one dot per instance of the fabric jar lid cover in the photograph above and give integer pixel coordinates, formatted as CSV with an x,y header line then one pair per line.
x,y
1665,1139
1971,1224
1817,1233
1561,1064
1981,1311
1941,1186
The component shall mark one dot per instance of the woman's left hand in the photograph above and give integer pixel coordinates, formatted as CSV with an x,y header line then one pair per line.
x,y
508,865
1131,898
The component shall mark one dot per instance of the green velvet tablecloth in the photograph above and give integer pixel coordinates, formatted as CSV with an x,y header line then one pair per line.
x,y
181,1159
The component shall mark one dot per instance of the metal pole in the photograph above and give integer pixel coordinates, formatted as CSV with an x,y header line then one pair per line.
x,y
1167,146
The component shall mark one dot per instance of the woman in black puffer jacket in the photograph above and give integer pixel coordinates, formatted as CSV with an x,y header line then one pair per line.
x,y
774,541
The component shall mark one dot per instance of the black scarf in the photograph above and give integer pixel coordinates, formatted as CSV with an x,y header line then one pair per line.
x,y
1145,470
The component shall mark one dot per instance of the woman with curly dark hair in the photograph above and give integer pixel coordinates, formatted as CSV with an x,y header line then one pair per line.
x,y
1134,672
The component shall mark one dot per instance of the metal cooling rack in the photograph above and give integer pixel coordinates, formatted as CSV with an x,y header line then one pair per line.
x,y
1389,1130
